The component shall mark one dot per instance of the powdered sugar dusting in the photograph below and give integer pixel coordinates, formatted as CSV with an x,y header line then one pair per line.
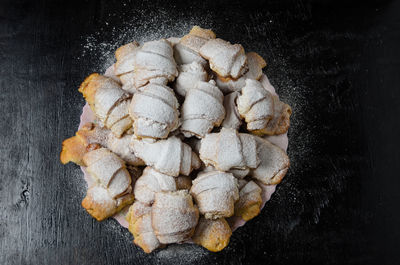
x,y
174,216
162,24
101,55
235,222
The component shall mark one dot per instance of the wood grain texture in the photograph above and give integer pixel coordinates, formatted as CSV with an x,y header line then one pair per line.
x,y
336,63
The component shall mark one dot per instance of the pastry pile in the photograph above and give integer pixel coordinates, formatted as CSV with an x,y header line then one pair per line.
x,y
178,138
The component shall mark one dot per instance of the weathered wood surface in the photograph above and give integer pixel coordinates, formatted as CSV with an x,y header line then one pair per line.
x,y
336,63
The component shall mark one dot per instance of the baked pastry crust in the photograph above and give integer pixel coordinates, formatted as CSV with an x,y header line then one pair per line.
x,y
139,122
229,149
108,102
189,75
154,63
75,147
263,112
112,190
151,182
274,163
232,118
174,216
139,220
154,109
255,105
255,64
202,109
280,121
215,193
125,65
170,156
185,55
183,183
213,235
104,208
92,136
197,37
226,59
249,203
186,51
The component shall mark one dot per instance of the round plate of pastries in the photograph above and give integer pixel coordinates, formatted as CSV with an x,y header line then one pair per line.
x,y
182,140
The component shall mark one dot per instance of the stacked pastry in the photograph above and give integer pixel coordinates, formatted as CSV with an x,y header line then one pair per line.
x,y
179,137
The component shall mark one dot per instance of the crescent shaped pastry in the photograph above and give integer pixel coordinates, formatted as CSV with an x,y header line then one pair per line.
x,y
255,64
280,121
92,136
196,38
249,203
189,75
170,156
226,59
108,102
139,220
112,190
263,112
188,133
154,62
202,110
125,65
215,193
154,109
213,235
274,163
151,182
174,216
229,149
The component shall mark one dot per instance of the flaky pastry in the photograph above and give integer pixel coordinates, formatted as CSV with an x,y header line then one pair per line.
x,y
214,235
174,216
196,38
262,111
249,203
154,62
202,109
189,75
226,59
92,136
215,193
139,121
112,189
232,118
274,162
154,109
229,149
151,182
108,102
170,156
255,64
125,65
280,121
139,220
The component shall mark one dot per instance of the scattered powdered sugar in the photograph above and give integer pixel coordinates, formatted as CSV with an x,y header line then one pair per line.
x,y
286,81
181,254
235,222
99,47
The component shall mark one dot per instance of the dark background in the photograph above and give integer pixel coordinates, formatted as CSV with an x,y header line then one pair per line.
x,y
337,63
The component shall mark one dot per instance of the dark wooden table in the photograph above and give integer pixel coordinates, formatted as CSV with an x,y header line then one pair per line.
x,y
336,62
